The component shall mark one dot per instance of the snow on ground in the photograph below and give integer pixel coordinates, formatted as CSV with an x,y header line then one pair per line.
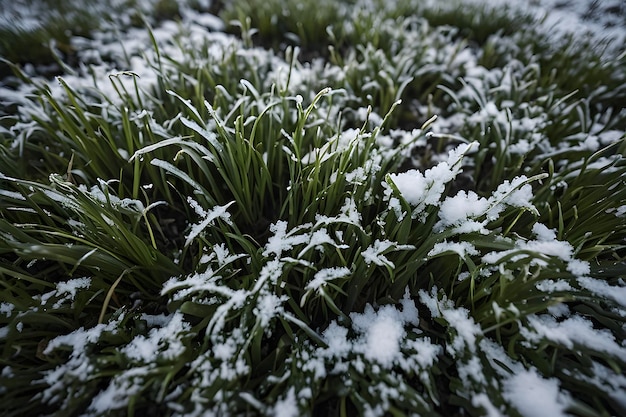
x,y
603,18
380,335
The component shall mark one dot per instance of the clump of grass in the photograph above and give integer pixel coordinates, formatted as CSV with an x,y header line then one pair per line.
x,y
42,33
217,226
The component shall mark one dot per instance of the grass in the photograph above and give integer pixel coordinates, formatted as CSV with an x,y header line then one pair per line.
x,y
389,209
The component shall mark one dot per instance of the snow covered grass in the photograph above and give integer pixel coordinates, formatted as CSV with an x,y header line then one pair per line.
x,y
413,208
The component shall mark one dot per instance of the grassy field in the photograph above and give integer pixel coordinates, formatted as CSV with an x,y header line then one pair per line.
x,y
324,208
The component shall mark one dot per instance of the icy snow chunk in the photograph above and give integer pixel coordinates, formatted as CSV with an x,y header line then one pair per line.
x,y
545,245
195,283
610,136
317,239
455,210
606,379
542,232
225,351
472,371
383,338
411,184
558,249
420,190
223,255
409,313
72,286
271,271
101,195
466,329
156,320
535,396
12,194
380,339
579,267
207,20
343,142
559,310
349,213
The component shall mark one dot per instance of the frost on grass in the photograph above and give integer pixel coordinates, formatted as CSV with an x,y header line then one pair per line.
x,y
375,254
66,291
236,302
540,251
380,341
208,218
160,343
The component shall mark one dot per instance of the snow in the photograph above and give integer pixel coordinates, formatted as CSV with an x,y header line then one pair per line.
x,y
72,286
374,254
382,339
411,184
606,379
603,289
472,372
421,189
572,332
550,285
267,307
163,342
66,291
535,396
336,337
377,338
467,330
208,218
463,206
579,267
287,406
281,241
482,400
6,309
79,338
463,249
325,275
116,395
317,239
546,245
